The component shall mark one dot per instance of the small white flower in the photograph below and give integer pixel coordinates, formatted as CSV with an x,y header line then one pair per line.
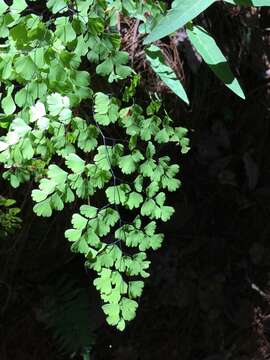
x,y
37,111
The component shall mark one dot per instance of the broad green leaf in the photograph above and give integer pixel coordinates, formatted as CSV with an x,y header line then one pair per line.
x,y
3,146
110,216
18,6
7,63
170,184
95,24
212,55
47,186
166,213
138,183
121,325
148,207
57,202
25,67
160,198
64,29
57,174
79,222
147,168
138,265
88,211
113,313
43,208
167,75
27,149
150,150
117,194
128,308
59,106
7,202
152,189
14,181
38,195
155,241
37,114
123,71
162,136
180,14
135,288
57,103
8,105
104,282
106,110
128,163
43,123
75,163
3,7
103,158
80,246
57,5
73,234
105,68
113,297
134,200
68,195
22,97
37,55
37,111
12,138
20,127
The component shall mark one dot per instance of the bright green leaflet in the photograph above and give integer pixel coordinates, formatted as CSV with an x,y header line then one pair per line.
x,y
166,74
212,55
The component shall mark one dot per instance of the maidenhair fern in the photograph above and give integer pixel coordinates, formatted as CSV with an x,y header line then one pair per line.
x,y
86,142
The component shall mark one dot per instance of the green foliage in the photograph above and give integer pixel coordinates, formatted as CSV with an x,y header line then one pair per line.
x,y
155,57
182,12
9,219
208,49
66,131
